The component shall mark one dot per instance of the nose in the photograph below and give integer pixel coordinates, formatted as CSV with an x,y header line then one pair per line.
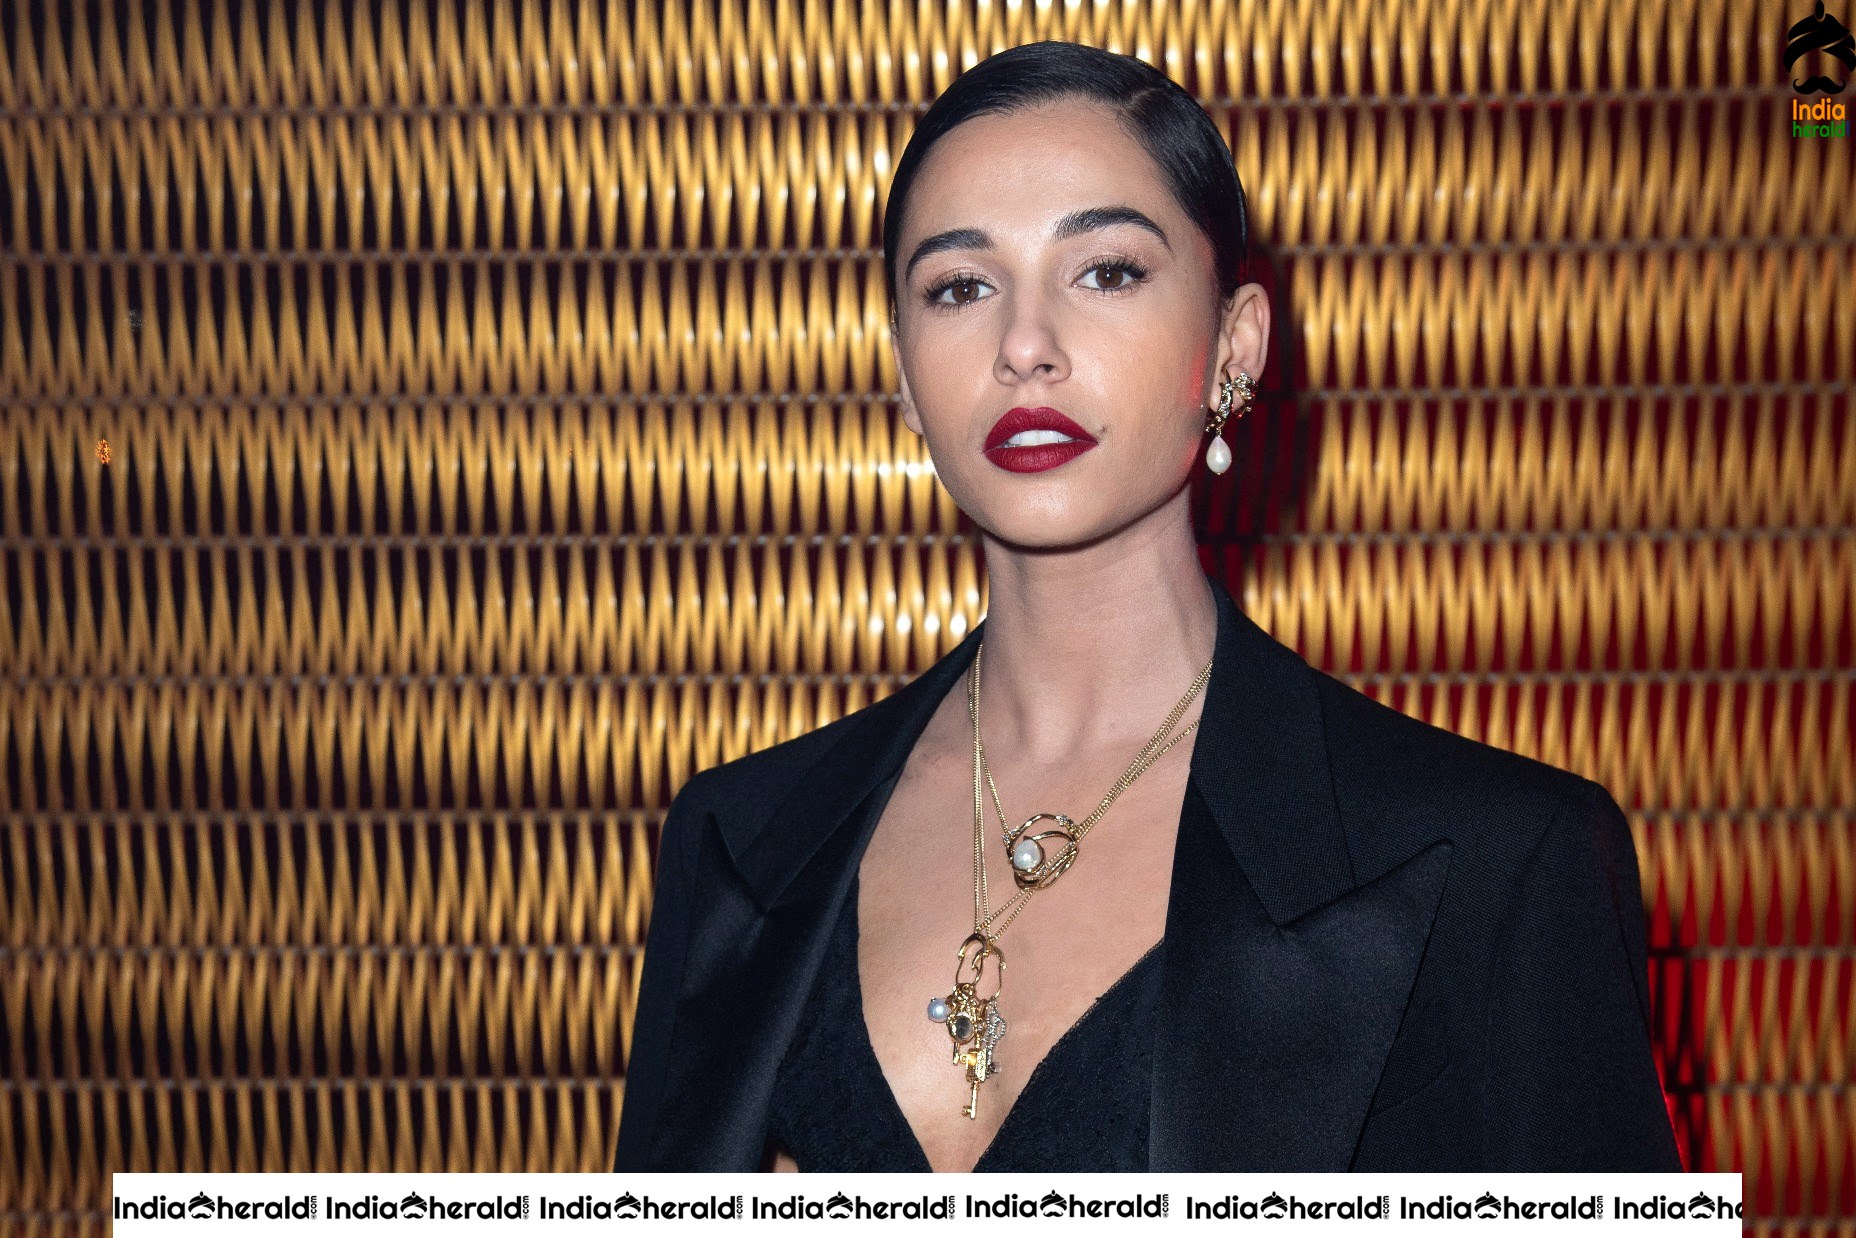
x,y
1028,344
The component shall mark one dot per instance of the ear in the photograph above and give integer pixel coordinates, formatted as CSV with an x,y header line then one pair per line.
x,y
1243,339
910,417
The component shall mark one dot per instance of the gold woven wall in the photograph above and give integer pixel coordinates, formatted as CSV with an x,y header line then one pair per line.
x,y
497,414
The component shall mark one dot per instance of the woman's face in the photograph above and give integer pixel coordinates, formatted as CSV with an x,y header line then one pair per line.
x,y
1027,279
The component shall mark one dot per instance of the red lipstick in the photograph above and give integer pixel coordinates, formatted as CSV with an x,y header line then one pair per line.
x,y
1040,456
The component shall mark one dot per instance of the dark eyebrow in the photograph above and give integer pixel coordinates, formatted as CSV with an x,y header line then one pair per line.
x,y
1090,219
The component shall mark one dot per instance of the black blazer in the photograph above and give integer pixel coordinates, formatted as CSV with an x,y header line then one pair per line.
x,y
1388,947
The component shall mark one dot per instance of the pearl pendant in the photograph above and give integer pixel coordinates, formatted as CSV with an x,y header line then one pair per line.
x,y
1034,866
937,1009
1218,456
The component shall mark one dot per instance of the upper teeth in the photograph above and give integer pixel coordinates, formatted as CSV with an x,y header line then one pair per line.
x,y
1035,438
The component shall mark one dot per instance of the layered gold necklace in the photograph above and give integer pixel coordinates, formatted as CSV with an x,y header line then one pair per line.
x,y
1038,858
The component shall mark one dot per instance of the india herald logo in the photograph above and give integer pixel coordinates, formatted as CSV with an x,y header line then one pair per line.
x,y
1820,32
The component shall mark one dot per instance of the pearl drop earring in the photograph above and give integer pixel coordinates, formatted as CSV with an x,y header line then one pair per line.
x,y
1218,455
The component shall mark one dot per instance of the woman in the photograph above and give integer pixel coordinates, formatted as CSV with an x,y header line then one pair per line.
x,y
1234,915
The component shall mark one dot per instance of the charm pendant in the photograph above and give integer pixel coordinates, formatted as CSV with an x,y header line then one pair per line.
x,y
1034,866
978,1056
973,1021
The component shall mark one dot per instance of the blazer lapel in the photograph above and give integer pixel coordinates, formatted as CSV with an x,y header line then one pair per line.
x,y
1284,978
1282,987
1270,1039
755,950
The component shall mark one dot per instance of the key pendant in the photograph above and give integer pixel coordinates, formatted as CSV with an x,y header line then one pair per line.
x,y
978,1056
973,1021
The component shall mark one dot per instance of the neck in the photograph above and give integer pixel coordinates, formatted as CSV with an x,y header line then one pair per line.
x,y
1090,649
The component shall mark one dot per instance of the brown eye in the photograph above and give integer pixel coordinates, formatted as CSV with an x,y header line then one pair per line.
x,y
969,295
1115,276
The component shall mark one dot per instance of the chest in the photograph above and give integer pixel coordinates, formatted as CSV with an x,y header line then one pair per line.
x,y
1067,945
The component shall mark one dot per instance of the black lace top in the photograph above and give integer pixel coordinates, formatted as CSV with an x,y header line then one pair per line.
x,y
1084,1107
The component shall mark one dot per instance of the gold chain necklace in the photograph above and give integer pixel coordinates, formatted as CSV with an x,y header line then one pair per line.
x,y
973,1022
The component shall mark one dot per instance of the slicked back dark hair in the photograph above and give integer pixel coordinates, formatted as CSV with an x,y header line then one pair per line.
x,y
1166,120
